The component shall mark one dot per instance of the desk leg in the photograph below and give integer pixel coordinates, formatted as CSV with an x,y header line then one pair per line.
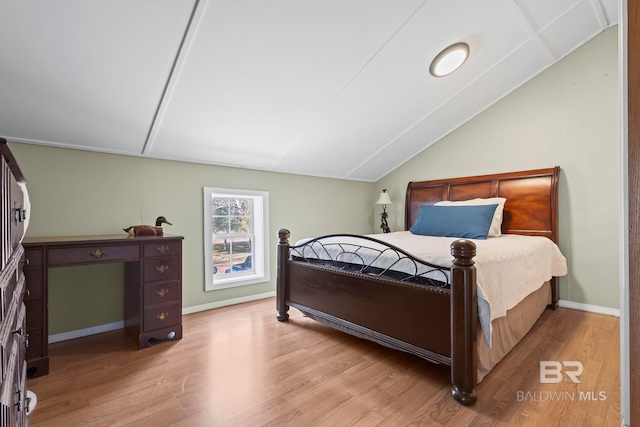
x,y
133,299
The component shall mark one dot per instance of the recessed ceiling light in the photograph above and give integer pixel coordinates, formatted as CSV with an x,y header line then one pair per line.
x,y
449,60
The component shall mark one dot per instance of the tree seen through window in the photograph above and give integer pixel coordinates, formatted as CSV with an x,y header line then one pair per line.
x,y
232,234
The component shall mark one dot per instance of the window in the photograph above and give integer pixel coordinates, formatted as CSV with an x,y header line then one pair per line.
x,y
236,239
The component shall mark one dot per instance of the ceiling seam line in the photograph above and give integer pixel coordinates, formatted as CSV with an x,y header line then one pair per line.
x,y
600,12
526,23
178,62
337,95
437,107
558,17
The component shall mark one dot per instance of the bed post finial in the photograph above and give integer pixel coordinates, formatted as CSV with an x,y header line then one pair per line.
x,y
463,251
284,235
464,318
281,288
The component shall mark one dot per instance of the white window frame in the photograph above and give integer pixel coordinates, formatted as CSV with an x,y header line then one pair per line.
x,y
260,246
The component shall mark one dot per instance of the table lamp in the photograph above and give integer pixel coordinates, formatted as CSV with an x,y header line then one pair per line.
x,y
384,200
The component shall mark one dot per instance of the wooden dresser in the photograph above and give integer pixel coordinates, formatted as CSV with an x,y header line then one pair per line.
x,y
13,335
152,285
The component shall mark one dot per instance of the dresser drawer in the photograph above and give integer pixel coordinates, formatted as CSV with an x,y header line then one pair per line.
x,y
162,268
7,387
20,335
5,351
15,336
6,347
6,296
162,293
93,255
162,249
162,316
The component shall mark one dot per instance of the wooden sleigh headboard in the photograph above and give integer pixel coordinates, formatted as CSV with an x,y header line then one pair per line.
x,y
532,198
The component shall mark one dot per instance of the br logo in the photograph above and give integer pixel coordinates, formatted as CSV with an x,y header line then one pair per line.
x,y
551,371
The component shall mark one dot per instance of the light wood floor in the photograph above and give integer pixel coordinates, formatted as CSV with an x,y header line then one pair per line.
x,y
238,366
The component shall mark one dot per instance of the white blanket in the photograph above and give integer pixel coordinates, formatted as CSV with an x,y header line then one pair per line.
x,y
508,268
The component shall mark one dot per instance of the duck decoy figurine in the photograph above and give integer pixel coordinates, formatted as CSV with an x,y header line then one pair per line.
x,y
148,230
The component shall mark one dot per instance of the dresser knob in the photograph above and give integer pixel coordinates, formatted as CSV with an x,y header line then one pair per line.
x,y
162,292
162,316
162,249
20,214
18,403
162,269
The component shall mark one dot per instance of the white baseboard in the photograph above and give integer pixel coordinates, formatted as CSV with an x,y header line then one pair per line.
x,y
64,336
224,303
589,307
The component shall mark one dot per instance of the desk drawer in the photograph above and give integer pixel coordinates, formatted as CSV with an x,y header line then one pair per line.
x,y
35,314
162,316
162,268
161,293
34,281
33,258
163,249
94,254
36,344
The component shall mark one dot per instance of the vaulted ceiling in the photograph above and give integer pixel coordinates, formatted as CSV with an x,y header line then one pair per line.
x,y
337,88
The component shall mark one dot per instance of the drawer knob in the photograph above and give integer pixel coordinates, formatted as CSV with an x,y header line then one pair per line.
x,y
162,249
162,316
18,403
162,292
20,214
162,269
97,253
24,336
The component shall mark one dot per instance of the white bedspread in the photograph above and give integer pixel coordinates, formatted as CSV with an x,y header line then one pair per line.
x,y
508,268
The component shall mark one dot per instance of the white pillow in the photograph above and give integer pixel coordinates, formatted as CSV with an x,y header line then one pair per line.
x,y
496,223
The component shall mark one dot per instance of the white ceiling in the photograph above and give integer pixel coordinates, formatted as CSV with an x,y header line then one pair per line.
x,y
336,88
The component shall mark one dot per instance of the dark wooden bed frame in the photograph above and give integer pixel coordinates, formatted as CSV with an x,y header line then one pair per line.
x,y
437,324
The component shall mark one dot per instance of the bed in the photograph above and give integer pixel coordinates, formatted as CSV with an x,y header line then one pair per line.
x,y
433,306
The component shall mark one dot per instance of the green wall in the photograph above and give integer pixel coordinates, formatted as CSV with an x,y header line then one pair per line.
x,y
567,116
84,193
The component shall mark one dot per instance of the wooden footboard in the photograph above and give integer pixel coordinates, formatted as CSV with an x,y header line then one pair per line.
x,y
436,324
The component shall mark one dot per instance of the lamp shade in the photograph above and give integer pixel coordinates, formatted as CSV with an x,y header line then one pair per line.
x,y
384,199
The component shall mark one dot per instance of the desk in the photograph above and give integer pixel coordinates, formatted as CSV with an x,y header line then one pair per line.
x,y
153,285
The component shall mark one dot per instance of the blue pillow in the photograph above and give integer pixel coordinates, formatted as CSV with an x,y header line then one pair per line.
x,y
471,222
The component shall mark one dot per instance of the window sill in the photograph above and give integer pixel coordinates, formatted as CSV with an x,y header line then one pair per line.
x,y
237,281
